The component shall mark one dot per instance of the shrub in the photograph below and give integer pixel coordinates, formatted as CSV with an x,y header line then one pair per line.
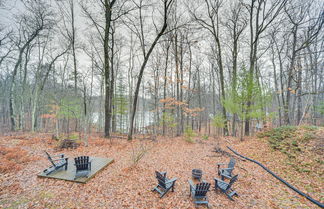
x,y
189,133
218,121
138,154
278,135
307,136
11,158
309,128
205,137
74,136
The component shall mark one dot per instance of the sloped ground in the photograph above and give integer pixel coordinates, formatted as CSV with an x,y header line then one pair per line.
x,y
122,185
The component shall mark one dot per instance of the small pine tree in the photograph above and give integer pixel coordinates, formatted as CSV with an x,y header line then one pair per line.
x,y
189,134
236,100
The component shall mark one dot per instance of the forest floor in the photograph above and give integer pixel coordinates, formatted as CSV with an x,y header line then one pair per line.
x,y
125,185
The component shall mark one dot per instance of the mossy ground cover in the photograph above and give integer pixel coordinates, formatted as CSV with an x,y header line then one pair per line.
x,y
303,147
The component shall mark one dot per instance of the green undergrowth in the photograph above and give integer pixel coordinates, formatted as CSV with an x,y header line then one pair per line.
x,y
189,134
294,142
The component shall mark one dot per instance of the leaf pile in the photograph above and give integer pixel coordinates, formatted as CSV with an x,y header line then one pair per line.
x,y
124,184
12,159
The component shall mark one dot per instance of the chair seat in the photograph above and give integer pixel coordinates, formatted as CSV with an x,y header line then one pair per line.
x,y
199,192
82,173
83,166
225,172
164,184
168,185
61,163
222,185
226,187
57,162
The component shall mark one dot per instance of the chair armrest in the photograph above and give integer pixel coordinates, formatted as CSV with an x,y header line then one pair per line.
x,y
163,173
60,155
219,165
58,159
227,169
170,180
192,186
226,176
216,180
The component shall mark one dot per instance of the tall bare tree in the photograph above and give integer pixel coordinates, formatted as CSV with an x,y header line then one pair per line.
x,y
166,8
36,19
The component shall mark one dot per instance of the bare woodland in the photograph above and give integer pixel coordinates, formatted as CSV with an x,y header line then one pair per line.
x,y
162,85
160,67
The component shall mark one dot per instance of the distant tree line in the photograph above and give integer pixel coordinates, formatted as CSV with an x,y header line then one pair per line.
x,y
160,67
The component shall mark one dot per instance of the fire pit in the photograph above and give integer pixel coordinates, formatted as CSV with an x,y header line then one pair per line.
x,y
196,174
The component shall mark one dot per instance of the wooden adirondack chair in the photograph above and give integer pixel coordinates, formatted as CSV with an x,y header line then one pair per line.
x,y
83,166
164,184
199,192
57,161
226,187
226,172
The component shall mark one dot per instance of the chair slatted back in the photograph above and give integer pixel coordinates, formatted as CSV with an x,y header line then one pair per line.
x,y
50,159
161,179
82,163
232,181
231,163
202,189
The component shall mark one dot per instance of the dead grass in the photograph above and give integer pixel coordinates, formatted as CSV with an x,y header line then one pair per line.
x,y
12,159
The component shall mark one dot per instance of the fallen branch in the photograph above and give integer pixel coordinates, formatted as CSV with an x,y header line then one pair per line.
x,y
223,152
280,179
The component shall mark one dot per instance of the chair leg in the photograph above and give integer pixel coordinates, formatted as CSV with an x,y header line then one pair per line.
x,y
66,165
166,191
216,188
235,193
230,197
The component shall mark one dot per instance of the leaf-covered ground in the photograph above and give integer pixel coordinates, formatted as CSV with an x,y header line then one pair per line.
x,y
123,185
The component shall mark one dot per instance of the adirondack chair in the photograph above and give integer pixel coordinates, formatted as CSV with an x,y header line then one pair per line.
x,y
57,161
199,192
226,172
164,184
226,187
83,166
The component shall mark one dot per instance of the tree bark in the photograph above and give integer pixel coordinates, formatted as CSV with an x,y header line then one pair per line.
x,y
108,14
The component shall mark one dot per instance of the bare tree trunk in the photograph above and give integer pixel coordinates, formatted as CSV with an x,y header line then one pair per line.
x,y
108,12
71,2
112,73
165,87
14,73
140,76
299,92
